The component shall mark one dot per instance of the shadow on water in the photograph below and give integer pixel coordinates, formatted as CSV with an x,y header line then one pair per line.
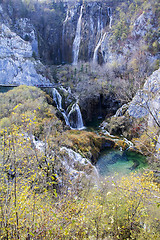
x,y
94,125
121,162
5,89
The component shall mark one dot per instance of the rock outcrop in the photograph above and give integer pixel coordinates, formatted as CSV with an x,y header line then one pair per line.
x,y
146,103
142,115
17,65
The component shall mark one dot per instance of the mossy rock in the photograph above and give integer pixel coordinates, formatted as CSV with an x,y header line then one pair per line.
x,y
89,144
121,143
118,125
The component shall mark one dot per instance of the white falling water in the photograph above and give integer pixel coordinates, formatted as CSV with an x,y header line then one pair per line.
x,y
70,160
97,47
91,40
101,26
129,143
57,98
98,25
76,121
67,16
109,10
77,40
74,118
100,22
91,24
65,117
63,31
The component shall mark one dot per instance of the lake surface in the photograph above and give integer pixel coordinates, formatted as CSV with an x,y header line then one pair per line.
x,y
121,162
4,89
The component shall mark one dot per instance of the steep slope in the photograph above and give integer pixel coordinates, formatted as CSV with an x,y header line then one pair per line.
x,y
17,65
122,36
109,29
140,119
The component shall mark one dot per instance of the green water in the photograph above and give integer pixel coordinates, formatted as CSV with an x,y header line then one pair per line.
x,y
121,162
5,89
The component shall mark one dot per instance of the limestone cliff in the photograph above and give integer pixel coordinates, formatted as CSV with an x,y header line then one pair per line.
x,y
110,31
17,65
140,119
113,33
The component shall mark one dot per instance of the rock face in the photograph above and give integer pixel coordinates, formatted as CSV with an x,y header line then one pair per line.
x,y
94,20
127,43
75,164
17,66
51,29
25,29
144,108
55,27
95,106
146,103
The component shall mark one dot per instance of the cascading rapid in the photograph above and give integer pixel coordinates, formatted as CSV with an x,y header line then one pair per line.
x,y
74,117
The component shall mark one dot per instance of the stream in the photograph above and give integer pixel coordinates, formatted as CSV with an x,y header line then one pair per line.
x,y
121,162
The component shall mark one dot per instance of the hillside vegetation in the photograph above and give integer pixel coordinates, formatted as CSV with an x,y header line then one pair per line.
x,y
39,202
49,186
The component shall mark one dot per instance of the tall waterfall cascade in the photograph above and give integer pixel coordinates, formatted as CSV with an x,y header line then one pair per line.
x,y
77,40
74,118
109,10
91,24
63,32
95,55
84,44
102,34
100,30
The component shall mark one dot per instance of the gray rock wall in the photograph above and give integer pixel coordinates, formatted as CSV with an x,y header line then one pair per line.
x,y
51,29
146,103
17,66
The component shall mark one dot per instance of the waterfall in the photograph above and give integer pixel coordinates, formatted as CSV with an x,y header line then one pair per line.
x,y
76,43
129,143
74,118
65,117
75,164
98,25
91,24
100,22
91,40
97,47
109,10
100,30
63,31
57,98
67,16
